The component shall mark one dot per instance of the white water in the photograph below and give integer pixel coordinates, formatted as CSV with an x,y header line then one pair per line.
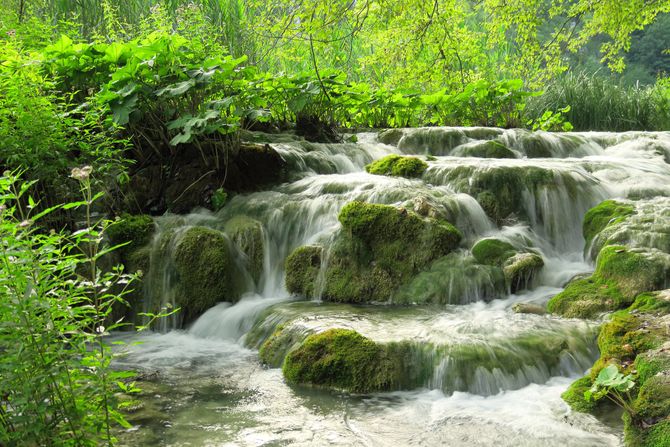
x,y
245,404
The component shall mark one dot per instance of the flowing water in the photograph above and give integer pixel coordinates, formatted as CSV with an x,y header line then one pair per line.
x,y
482,374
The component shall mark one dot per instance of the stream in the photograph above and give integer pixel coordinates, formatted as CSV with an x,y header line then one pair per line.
x,y
483,375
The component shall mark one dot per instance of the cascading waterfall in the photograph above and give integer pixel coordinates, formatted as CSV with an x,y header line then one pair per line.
x,y
476,346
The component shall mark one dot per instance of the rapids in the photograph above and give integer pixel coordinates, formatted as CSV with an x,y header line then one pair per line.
x,y
482,375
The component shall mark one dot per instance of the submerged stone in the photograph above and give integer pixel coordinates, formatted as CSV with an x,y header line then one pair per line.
x,y
398,166
521,269
390,136
432,140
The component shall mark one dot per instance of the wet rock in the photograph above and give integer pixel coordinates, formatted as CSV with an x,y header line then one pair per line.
x,y
390,136
432,140
484,149
607,213
492,251
529,308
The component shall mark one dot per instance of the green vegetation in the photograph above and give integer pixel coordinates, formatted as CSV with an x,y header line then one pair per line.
x,y
302,268
247,234
574,396
133,231
398,166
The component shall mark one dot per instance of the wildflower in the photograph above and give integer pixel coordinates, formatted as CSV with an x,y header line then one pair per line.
x,y
81,174
11,33
25,224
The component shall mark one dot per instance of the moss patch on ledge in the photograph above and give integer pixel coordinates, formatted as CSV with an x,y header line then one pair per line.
x,y
398,166
492,251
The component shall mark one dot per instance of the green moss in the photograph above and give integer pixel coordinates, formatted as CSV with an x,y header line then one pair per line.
x,y
574,396
247,234
398,166
632,272
135,231
651,363
658,435
653,400
586,298
302,268
609,212
205,271
492,251
651,303
343,359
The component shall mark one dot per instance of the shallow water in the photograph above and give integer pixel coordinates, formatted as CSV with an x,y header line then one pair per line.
x,y
204,387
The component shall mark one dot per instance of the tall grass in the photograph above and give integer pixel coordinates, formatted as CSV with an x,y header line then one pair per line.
x,y
602,103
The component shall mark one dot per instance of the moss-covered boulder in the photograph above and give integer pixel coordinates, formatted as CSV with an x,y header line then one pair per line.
x,y
302,267
609,212
247,234
343,359
133,230
492,251
379,249
398,166
205,270
484,149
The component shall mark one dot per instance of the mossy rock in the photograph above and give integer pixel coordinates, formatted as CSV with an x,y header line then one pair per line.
x,y
652,362
492,251
521,270
247,234
485,149
652,302
574,396
342,359
398,166
633,271
621,274
536,147
133,230
205,269
302,267
609,212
